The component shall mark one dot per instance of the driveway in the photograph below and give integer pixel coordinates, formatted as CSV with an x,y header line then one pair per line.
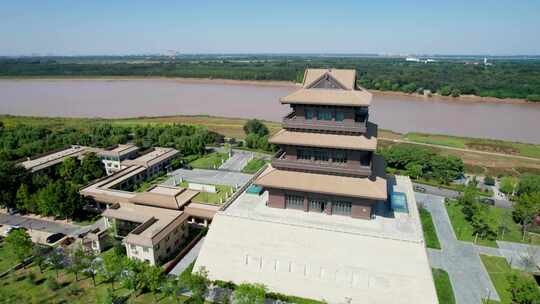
x,y
217,177
469,278
501,203
237,161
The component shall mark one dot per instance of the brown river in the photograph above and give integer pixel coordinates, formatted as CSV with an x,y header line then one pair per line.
x,y
159,97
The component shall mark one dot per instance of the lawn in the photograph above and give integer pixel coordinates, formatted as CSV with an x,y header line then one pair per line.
x,y
498,270
158,179
29,286
430,234
210,161
254,165
218,198
489,145
464,230
443,286
5,261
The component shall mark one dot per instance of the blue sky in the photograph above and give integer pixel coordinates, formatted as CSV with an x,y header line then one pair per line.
x,y
497,27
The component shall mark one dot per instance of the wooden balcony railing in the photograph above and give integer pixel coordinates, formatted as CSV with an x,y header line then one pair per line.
x,y
291,121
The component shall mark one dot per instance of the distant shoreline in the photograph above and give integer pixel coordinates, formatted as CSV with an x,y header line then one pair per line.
x,y
272,83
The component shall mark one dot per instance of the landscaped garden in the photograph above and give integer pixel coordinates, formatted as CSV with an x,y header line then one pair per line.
x,y
254,165
507,229
513,286
430,234
210,161
5,260
443,286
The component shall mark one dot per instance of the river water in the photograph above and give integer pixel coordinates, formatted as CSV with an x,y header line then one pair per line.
x,y
158,97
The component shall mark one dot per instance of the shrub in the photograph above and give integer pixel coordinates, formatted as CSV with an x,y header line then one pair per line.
x,y
490,181
52,284
455,92
533,97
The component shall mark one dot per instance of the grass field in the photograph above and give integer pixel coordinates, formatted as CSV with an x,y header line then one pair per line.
x,y
254,165
443,286
464,231
221,195
29,286
430,234
498,269
497,146
210,161
5,261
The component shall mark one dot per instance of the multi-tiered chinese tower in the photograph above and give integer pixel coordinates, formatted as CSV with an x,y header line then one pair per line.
x,y
326,162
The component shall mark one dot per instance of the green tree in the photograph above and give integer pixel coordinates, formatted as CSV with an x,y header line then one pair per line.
x,y
523,289
414,170
24,199
113,265
40,258
78,261
56,259
18,245
171,287
92,168
68,168
528,183
198,284
132,276
11,177
489,180
255,126
445,91
250,294
455,92
507,185
525,209
93,266
252,141
152,278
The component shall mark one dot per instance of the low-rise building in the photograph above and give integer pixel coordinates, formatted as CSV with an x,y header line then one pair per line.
x,y
44,162
112,158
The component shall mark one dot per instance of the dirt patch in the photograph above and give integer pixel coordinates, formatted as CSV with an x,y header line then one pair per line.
x,y
497,148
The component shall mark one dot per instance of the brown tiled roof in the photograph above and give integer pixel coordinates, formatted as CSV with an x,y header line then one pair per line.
x,y
374,188
175,200
346,78
328,97
324,140
201,210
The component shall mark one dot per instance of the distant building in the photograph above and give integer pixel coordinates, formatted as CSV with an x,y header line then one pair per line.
x,y
45,162
112,158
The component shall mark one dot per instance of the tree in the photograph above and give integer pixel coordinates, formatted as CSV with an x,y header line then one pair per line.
x,y
24,200
528,183
93,266
56,260
68,168
92,168
507,185
18,245
171,287
445,90
198,284
131,276
414,170
250,294
152,278
489,181
255,126
113,265
78,261
523,289
40,258
526,208
11,177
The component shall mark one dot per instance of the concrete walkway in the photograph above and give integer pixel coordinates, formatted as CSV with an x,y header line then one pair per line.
x,y
237,161
189,258
469,278
520,256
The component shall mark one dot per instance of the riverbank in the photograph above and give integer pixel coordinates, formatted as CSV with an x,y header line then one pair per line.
x,y
481,156
277,83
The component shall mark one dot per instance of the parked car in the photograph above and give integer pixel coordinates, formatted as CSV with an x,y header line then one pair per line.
x,y
53,238
13,211
488,201
419,189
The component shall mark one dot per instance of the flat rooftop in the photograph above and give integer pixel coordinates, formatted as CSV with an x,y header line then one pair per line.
x,y
318,256
50,159
120,150
155,223
153,157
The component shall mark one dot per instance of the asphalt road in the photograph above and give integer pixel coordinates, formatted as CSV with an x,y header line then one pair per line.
x,y
237,161
37,224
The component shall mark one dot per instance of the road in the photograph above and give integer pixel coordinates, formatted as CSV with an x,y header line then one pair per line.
x,y
469,278
38,224
455,194
216,177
